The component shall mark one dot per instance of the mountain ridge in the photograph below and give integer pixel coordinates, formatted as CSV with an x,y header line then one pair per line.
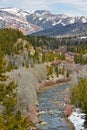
x,y
39,21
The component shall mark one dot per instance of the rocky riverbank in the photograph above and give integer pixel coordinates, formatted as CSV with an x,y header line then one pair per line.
x,y
48,84
52,104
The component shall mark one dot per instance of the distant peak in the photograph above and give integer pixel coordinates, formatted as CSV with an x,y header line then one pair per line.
x,y
42,11
30,11
11,9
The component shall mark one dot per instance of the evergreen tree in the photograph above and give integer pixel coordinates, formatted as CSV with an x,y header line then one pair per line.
x,y
56,71
49,71
10,118
79,94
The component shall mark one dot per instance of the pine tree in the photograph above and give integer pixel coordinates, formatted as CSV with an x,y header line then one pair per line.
x,y
56,71
49,71
2,64
10,118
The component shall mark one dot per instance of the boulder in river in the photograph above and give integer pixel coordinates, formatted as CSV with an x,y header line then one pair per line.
x,y
44,123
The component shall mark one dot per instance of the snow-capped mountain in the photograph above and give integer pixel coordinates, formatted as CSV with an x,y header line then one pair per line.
x,y
40,20
16,18
47,20
16,11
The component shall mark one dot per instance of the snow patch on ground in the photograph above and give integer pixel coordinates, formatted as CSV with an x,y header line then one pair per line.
x,y
77,119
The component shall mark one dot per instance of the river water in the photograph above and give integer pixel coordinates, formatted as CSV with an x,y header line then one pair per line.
x,y
52,106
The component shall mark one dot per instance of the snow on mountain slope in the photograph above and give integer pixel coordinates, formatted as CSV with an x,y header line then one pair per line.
x,y
30,11
16,18
47,20
35,21
16,11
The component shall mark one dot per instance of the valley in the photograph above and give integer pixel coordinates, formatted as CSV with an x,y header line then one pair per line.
x,y
43,65
32,65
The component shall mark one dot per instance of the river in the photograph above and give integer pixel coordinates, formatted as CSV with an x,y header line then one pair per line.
x,y
52,106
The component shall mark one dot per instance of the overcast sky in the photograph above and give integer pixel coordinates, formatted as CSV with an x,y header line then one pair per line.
x,y
70,7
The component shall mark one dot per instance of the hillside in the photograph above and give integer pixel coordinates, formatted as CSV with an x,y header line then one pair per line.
x,y
16,18
19,81
42,20
68,30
